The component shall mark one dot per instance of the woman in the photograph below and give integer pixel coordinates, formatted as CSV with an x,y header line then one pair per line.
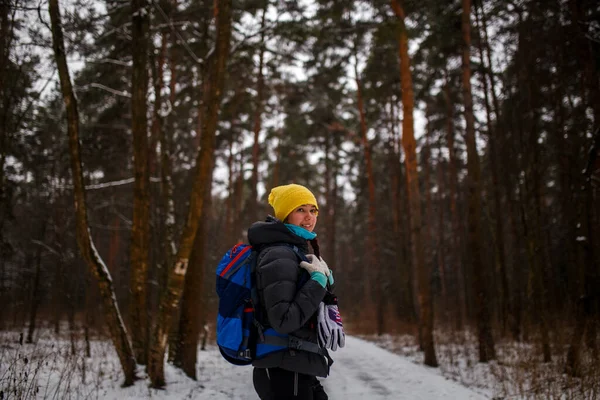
x,y
290,298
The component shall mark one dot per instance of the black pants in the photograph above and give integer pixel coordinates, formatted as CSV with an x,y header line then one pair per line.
x,y
280,384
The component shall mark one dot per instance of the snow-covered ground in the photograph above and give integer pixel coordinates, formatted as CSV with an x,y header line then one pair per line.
x,y
361,370
371,368
364,371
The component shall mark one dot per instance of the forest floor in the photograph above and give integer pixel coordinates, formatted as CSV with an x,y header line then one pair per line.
x,y
373,367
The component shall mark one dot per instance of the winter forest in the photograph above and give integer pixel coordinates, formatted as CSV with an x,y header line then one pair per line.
x,y
453,146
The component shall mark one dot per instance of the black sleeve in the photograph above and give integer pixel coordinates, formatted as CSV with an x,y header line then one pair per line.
x,y
288,307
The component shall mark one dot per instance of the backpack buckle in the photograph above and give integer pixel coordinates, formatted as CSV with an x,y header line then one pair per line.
x,y
245,353
295,343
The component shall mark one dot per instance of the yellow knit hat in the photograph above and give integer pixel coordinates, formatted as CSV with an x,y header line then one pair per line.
x,y
285,199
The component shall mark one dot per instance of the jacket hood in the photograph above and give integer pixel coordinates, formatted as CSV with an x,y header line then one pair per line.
x,y
272,231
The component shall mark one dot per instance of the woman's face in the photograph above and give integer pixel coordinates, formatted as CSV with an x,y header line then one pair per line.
x,y
304,216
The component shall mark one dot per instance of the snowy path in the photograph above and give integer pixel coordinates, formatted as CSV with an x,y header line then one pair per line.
x,y
361,371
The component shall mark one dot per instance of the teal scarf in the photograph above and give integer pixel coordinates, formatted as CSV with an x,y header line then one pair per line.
x,y
300,231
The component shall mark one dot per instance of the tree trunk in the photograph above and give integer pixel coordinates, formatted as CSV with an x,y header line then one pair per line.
x,y
500,258
371,246
89,316
140,230
5,41
495,150
35,290
430,235
239,190
230,192
113,318
531,184
441,245
573,362
58,292
590,266
260,84
332,207
277,166
543,262
482,308
406,308
331,193
169,303
460,302
414,197
192,310
190,318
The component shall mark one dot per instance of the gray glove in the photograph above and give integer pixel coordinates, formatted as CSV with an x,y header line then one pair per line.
x,y
324,334
329,326
315,265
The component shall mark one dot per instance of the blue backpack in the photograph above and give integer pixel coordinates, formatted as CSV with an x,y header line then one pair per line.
x,y
240,336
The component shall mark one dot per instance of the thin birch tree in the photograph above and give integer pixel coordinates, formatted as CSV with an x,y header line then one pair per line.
x,y
113,318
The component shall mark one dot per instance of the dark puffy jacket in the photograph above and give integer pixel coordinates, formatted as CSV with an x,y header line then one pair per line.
x,y
290,309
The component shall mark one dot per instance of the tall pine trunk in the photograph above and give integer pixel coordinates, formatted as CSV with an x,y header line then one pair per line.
x,y
35,290
460,302
260,87
405,308
170,300
332,140
192,310
480,292
496,138
414,197
589,265
370,274
113,318
140,230
5,41
500,259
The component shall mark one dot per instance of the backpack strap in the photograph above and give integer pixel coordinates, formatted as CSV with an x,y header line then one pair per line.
x,y
300,254
294,343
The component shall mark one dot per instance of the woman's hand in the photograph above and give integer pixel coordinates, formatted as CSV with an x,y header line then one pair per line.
x,y
315,265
